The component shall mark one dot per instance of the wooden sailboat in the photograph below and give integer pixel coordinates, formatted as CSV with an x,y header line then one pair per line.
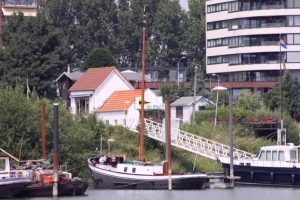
x,y
117,173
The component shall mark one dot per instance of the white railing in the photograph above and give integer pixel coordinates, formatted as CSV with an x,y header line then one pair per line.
x,y
194,143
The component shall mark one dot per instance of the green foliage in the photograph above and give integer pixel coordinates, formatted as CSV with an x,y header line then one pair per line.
x,y
34,49
100,57
169,33
290,96
248,101
174,91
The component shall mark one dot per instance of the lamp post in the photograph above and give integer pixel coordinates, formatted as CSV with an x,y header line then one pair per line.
x,y
216,112
195,88
178,63
109,141
231,174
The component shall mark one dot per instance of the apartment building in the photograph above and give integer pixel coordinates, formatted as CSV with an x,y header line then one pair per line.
x,y
242,42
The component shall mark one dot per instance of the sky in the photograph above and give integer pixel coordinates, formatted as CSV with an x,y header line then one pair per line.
x,y
184,4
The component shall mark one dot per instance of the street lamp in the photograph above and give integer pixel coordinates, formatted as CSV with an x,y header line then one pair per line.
x,y
109,141
230,129
178,63
216,112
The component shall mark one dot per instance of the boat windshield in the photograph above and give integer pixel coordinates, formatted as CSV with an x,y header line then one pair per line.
x,y
293,155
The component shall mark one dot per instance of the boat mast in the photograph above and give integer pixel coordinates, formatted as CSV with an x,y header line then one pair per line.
x,y
141,155
281,135
43,130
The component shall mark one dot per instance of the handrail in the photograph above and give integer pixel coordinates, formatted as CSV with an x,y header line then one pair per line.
x,y
194,143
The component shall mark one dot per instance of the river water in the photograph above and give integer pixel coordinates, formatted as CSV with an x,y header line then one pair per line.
x,y
238,193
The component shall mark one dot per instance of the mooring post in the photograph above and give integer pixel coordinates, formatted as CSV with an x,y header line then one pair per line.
x,y
55,150
168,141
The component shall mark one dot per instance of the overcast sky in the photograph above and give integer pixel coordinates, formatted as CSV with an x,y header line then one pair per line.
x,y
184,4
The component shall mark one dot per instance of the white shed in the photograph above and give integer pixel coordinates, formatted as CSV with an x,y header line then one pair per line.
x,y
182,108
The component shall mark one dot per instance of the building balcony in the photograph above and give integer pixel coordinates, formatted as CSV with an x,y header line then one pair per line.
x,y
19,3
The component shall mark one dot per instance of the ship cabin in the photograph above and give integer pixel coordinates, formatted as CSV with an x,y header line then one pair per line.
x,y
283,156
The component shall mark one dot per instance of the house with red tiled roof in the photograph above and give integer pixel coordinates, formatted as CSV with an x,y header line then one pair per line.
x,y
94,87
122,107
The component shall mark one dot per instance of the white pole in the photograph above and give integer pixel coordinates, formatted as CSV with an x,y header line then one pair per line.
x,y
217,100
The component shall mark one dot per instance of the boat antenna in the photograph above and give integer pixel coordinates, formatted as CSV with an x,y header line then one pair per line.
x,y
141,152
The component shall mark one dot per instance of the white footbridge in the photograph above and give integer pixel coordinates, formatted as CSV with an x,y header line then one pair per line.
x,y
193,143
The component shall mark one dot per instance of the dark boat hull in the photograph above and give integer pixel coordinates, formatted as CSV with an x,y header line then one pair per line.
x,y
10,190
68,188
265,175
103,181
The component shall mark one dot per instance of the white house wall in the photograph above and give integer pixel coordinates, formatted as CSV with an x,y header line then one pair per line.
x,y
112,83
119,117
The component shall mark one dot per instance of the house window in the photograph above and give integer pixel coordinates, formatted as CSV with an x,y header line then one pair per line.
x,y
125,169
82,105
2,164
133,170
116,122
107,122
179,112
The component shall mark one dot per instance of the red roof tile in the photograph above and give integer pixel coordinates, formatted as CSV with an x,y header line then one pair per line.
x,y
92,78
119,101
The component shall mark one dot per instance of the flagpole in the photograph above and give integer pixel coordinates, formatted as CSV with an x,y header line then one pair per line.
x,y
280,80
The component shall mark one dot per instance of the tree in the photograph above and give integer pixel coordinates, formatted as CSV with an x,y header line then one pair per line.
x,y
87,24
100,57
290,96
168,34
34,50
248,101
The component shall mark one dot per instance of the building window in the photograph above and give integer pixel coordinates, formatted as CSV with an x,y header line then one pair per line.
x,y
82,105
116,122
125,169
133,170
124,122
19,3
2,164
107,122
179,112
